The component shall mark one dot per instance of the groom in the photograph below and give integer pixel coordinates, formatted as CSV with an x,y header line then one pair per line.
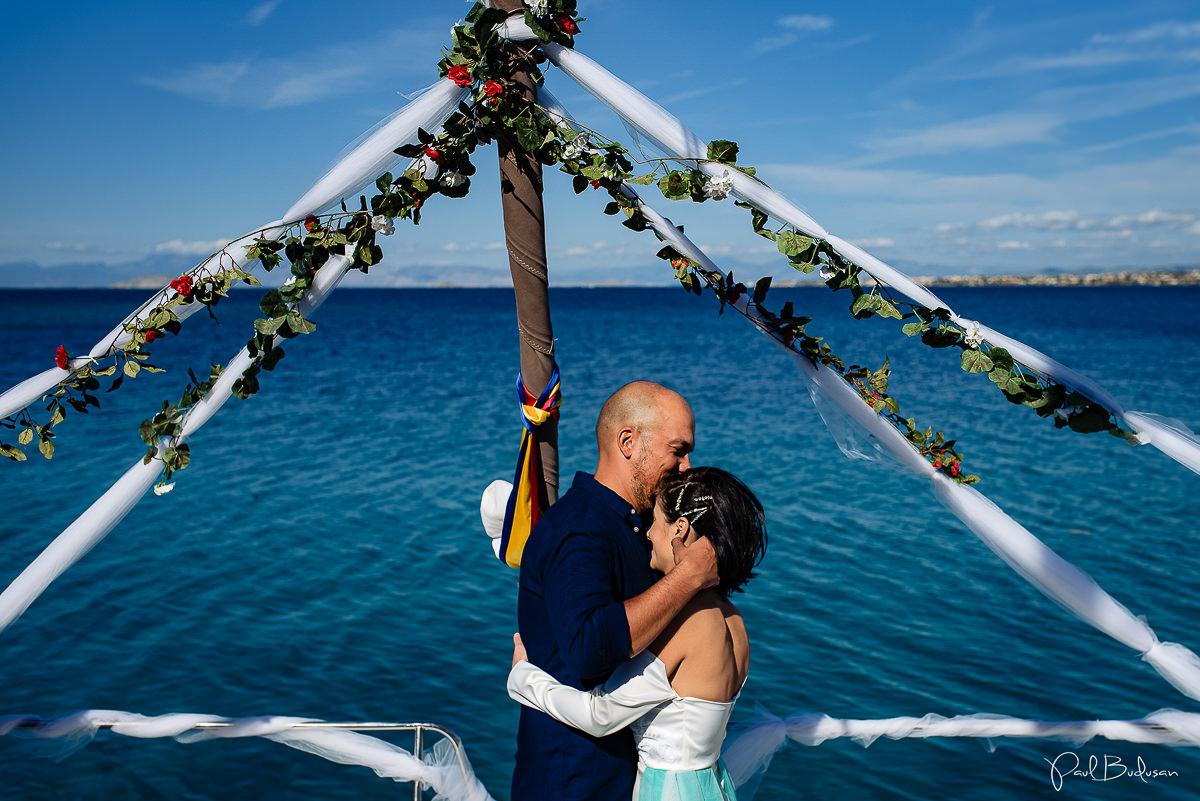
x,y
588,599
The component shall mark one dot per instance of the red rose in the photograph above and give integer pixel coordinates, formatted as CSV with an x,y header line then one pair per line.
x,y
416,202
493,89
567,24
679,264
434,154
954,469
460,75
61,358
594,184
311,224
788,338
152,335
183,285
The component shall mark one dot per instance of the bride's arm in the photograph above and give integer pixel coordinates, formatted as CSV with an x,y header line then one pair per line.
x,y
635,688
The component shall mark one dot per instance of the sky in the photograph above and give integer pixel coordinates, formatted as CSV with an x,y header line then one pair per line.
x,y
944,138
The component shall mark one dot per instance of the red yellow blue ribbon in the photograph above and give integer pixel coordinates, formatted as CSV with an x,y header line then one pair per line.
x,y
525,503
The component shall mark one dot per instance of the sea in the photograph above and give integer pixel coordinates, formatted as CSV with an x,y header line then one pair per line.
x,y
323,555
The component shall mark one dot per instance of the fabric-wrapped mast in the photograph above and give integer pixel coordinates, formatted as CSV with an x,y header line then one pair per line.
x,y
525,236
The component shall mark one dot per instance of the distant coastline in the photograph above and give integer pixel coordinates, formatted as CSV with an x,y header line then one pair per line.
x,y
1184,276
1180,277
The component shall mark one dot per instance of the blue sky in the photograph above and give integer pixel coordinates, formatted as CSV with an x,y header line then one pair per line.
x,y
943,137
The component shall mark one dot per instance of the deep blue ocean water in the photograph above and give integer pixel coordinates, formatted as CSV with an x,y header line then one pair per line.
x,y
323,555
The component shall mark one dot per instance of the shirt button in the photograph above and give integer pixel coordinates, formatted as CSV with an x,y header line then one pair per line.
x,y
637,530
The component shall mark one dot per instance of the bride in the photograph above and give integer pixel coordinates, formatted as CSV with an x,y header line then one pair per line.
x,y
678,694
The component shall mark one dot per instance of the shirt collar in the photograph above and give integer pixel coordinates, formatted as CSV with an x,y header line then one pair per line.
x,y
606,497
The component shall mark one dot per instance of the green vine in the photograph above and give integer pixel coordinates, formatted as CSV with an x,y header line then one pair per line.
x,y
479,59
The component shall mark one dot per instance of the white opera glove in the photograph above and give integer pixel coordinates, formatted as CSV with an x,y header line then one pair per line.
x,y
636,687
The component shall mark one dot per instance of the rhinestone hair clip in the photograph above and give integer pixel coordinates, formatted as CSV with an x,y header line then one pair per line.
x,y
695,513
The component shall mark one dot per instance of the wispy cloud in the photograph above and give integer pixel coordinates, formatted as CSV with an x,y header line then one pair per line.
x,y
807,22
700,91
321,73
789,30
1159,31
471,247
258,15
1071,220
1046,117
978,133
178,247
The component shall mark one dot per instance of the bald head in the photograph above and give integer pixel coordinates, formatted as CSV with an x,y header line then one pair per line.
x,y
636,405
643,432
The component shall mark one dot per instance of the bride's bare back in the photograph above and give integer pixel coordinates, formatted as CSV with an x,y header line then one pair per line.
x,y
705,649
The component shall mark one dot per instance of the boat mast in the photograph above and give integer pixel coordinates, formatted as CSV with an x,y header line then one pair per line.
x,y
525,236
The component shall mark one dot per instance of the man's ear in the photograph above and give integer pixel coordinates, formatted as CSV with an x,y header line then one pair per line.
x,y
626,439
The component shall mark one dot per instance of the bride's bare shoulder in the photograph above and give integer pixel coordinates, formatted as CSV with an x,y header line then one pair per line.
x,y
706,620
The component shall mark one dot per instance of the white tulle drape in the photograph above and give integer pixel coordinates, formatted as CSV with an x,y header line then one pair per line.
x,y
100,518
749,747
441,769
674,139
372,156
368,159
1026,554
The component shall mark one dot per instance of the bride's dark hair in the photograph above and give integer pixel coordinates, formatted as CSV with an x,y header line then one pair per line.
x,y
723,509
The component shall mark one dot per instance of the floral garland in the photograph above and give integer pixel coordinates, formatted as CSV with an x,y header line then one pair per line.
x,y
480,59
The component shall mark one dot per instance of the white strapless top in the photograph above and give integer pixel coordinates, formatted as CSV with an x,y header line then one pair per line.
x,y
672,732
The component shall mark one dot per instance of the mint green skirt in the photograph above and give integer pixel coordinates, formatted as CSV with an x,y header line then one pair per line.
x,y
710,784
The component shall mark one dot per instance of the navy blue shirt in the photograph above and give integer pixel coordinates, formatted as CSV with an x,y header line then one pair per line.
x,y
586,556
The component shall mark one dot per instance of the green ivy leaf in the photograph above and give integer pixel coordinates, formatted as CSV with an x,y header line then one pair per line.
x,y
269,327
16,454
913,329
864,306
886,309
46,446
941,337
1008,381
974,361
723,150
675,185
298,324
25,437
791,243
1001,358
1091,419
131,368
760,289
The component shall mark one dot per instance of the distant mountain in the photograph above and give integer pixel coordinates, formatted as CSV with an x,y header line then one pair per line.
x,y
132,274
157,271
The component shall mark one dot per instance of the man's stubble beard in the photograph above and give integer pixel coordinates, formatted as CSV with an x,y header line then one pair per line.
x,y
643,485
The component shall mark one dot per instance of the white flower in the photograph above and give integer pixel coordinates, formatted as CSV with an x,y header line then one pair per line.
x,y
827,272
971,337
538,7
452,179
579,146
383,225
719,188
163,489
